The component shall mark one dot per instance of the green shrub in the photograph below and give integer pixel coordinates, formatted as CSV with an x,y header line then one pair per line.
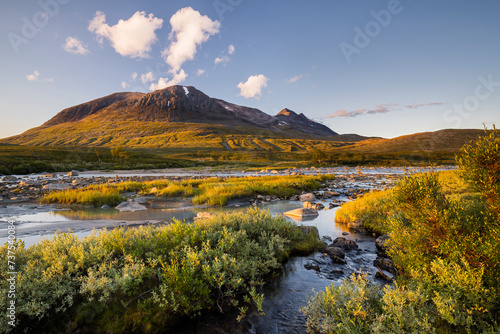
x,y
149,278
480,165
445,241
373,210
348,308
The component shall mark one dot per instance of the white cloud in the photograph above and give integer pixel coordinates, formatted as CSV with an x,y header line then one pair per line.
x,y
49,80
164,82
200,72
124,84
189,29
134,76
147,77
75,46
294,79
253,86
33,77
132,38
382,109
223,59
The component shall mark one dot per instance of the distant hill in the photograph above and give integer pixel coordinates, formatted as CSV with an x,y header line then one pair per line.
x,y
177,116
450,140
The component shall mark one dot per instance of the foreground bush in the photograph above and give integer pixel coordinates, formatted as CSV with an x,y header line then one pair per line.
x,y
147,279
446,246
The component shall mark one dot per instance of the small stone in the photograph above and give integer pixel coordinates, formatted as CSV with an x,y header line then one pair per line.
x,y
9,178
204,215
333,205
130,207
335,251
309,197
311,265
344,243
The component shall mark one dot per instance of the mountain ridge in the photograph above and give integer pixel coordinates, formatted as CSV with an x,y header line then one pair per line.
x,y
173,109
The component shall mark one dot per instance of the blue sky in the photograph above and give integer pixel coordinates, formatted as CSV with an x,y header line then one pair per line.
x,y
376,68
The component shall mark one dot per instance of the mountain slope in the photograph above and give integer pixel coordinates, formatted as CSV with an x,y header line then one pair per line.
x,y
164,117
290,119
450,140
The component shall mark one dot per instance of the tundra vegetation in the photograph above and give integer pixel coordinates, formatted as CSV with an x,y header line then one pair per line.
x,y
148,279
211,191
444,234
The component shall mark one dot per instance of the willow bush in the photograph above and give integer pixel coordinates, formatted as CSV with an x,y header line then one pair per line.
x,y
149,278
446,246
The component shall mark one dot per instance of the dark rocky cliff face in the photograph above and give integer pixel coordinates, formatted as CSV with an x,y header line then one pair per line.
x,y
76,113
187,105
300,122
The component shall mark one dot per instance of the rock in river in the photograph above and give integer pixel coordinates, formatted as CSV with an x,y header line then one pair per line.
x,y
130,207
302,213
9,178
344,243
381,243
309,197
203,215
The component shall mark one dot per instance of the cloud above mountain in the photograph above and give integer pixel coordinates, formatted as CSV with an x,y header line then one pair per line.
x,y
130,38
190,29
252,88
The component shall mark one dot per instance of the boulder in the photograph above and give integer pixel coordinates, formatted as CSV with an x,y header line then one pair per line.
x,y
294,198
385,263
312,266
381,243
333,205
204,215
344,243
73,173
318,206
302,213
383,276
309,197
335,251
9,178
356,226
130,207
307,205
327,194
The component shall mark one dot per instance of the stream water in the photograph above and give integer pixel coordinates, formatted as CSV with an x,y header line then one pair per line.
x,y
284,296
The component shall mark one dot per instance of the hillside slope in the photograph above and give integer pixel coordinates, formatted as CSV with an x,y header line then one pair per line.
x,y
174,116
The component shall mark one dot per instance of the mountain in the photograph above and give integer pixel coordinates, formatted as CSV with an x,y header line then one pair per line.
x,y
290,119
164,117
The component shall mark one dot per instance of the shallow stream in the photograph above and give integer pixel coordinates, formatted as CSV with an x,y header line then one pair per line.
x,y
283,297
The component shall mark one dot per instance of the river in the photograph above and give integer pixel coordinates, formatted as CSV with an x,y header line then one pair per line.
x,y
284,296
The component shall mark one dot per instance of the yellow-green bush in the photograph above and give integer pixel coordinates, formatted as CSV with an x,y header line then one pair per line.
x,y
372,210
445,241
146,279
